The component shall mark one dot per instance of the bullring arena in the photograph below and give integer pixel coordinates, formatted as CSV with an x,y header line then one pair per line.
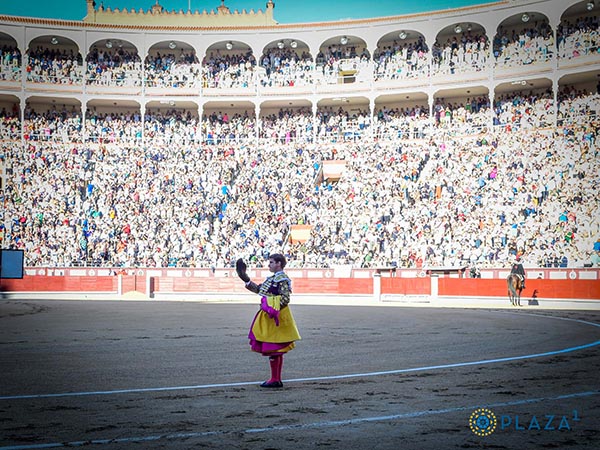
x,y
401,164
133,374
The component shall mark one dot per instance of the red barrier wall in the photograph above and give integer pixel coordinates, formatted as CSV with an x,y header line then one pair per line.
x,y
355,286
168,285
579,289
41,283
133,283
582,286
406,286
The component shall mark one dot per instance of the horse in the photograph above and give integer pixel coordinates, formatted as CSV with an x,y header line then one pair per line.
x,y
515,286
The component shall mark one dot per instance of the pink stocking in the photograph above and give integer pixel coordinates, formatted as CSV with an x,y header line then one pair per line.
x,y
279,367
274,363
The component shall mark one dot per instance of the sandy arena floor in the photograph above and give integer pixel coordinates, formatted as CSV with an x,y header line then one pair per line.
x,y
180,375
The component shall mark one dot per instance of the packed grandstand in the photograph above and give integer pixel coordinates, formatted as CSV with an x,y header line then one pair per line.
x,y
464,140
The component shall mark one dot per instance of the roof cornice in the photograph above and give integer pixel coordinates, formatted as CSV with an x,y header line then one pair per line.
x,y
21,20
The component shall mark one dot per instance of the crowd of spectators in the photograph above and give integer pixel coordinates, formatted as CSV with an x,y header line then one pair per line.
x,y
396,62
471,183
342,125
577,38
169,70
61,125
10,63
172,126
46,65
120,67
342,64
465,53
288,126
10,124
220,128
528,45
123,128
284,67
229,70
469,117
526,110
405,199
401,123
575,104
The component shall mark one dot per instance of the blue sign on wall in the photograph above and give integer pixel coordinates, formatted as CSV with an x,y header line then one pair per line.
x,y
11,263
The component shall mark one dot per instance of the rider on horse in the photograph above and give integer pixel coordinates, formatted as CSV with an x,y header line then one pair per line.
x,y
517,268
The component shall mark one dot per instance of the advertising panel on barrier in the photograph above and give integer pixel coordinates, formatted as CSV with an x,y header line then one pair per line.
x,y
11,263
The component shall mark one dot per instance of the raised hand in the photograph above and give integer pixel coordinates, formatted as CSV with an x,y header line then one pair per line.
x,y
240,268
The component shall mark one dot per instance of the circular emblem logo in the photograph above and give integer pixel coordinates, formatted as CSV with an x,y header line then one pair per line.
x,y
482,422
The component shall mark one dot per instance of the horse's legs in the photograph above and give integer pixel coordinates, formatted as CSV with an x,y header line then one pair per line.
x,y
512,293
